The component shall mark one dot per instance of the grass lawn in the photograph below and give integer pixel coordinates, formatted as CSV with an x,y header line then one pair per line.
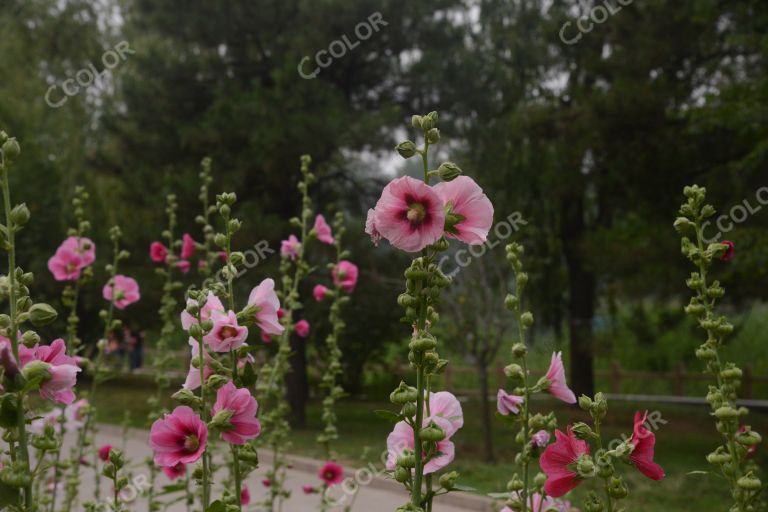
x,y
682,444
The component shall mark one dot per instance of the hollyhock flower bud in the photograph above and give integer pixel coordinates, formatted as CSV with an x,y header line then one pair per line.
x,y
308,489
540,438
402,475
11,149
406,149
403,394
519,350
726,413
302,328
719,456
448,480
432,433
158,252
433,136
617,488
20,214
749,482
42,314
514,372
104,452
319,292
583,431
748,437
516,484
448,171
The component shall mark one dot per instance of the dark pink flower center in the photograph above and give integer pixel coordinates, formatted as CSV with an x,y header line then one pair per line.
x,y
227,332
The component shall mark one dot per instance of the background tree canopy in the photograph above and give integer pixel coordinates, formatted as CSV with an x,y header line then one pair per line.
x,y
592,142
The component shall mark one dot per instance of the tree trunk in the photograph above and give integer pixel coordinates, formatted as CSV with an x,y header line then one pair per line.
x,y
297,383
485,410
581,299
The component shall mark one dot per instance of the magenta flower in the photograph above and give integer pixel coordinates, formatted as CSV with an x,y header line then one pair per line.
x,y
227,334
264,298
302,328
345,275
82,246
409,214
558,461
175,472
556,377
62,370
470,212
331,473
402,437
212,303
65,265
124,292
178,437
370,227
508,404
730,250
319,292
290,248
644,442
187,246
183,266
104,452
245,496
308,489
158,252
446,406
323,230
540,438
243,424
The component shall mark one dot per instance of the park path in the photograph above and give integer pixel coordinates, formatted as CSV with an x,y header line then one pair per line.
x,y
380,494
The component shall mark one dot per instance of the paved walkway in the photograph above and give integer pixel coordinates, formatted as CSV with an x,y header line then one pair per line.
x,y
379,494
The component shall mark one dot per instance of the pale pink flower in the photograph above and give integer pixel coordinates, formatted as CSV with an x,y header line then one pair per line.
x,y
370,227
158,252
193,376
227,334
212,303
402,437
319,292
51,418
178,437
265,299
175,472
539,503
445,405
508,404
469,206
290,248
124,292
556,377
243,423
82,246
65,265
345,275
62,370
302,328
75,414
409,214
540,438
331,473
187,246
323,230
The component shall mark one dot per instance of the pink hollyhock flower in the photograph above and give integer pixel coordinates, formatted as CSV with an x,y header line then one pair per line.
x,y
319,292
370,227
158,252
290,248
75,414
409,214
540,438
302,328
82,246
331,473
308,489
62,370
345,275
104,452
644,441
402,437
223,256
556,377
446,406
508,404
264,298
245,496
175,472
51,418
558,459
193,376
183,266
187,246
227,334
212,303
178,437
470,211
243,423
124,292
730,250
65,265
323,230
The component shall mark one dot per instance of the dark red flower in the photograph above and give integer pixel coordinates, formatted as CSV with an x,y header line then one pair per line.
x,y
644,441
558,461
331,473
730,250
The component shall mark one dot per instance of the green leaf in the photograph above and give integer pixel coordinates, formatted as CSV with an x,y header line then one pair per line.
x,y
388,415
9,496
8,412
216,506
466,488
